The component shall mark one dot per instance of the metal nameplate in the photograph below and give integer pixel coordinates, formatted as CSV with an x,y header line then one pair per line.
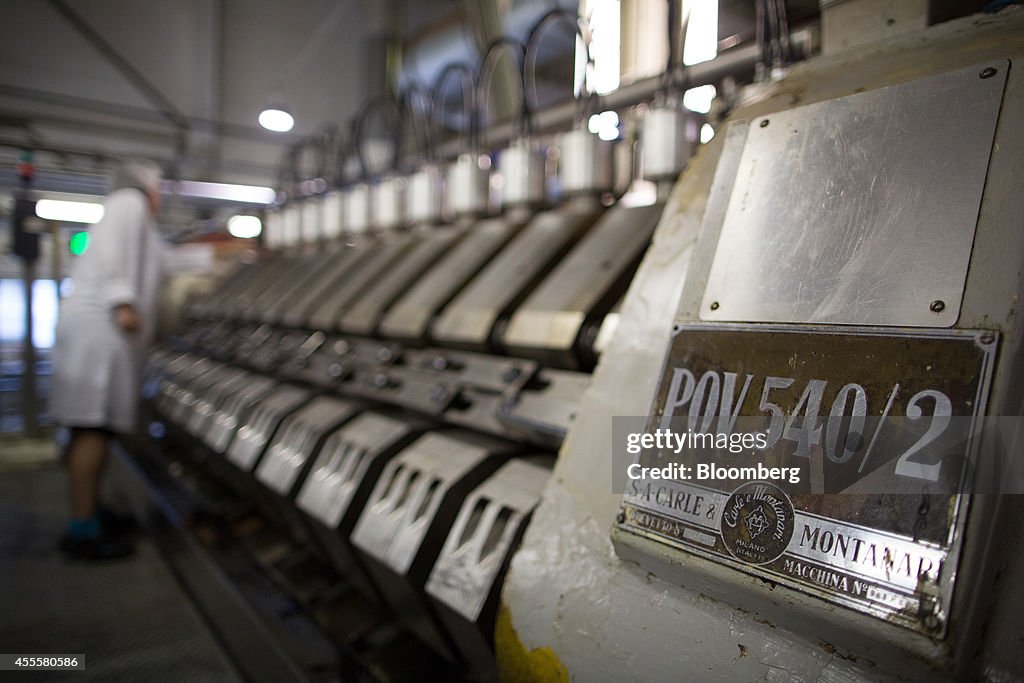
x,y
350,461
859,210
233,407
878,424
252,437
212,398
297,440
485,532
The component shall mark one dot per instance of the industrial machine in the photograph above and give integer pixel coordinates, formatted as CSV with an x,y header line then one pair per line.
x,y
431,405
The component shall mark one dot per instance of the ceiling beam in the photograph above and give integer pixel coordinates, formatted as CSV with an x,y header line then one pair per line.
x,y
104,156
141,114
132,74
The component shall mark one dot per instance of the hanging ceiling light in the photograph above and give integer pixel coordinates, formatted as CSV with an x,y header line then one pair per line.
x,y
277,118
245,226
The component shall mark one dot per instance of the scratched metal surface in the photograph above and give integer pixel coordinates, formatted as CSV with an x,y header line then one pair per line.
x,y
859,210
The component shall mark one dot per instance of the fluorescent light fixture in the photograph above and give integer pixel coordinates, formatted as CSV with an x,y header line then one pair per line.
x,y
605,125
248,194
699,99
69,212
706,133
605,32
277,118
245,227
701,42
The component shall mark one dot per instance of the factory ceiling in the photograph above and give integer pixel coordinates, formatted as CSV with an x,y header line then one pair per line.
x,y
182,82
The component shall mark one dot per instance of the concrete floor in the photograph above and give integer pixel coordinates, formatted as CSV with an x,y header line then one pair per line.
x,y
130,618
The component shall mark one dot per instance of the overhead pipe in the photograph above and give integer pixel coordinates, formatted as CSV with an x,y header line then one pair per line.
x,y
737,62
142,114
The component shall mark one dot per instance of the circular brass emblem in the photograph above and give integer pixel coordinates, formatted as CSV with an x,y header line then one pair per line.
x,y
757,522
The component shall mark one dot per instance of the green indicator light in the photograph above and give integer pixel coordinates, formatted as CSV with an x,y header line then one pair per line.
x,y
79,243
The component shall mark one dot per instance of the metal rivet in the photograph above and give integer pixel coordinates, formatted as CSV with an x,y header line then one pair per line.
x,y
714,305
764,123
987,72
987,338
937,306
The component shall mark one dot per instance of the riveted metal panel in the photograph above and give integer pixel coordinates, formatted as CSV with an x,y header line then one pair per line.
x,y
861,209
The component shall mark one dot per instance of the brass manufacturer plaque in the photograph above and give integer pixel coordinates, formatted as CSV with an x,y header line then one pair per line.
x,y
841,461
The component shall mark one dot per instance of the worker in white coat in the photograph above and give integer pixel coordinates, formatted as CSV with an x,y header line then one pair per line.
x,y
105,325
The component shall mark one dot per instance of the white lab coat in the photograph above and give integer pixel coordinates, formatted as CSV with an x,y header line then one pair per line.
x,y
97,366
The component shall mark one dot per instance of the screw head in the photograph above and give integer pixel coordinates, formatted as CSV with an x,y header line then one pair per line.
x,y
620,518
987,338
764,123
714,306
937,306
987,72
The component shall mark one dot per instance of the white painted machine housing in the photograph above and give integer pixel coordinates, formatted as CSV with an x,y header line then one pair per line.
x,y
468,185
423,195
584,162
356,207
387,205
609,618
